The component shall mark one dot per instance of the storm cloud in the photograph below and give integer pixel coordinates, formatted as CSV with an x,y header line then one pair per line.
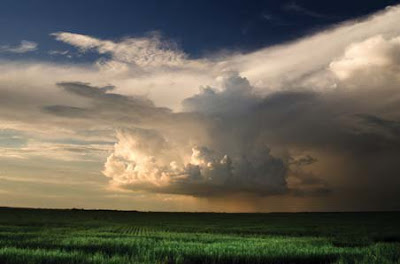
x,y
286,121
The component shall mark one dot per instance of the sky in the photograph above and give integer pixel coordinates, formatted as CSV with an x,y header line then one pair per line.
x,y
223,106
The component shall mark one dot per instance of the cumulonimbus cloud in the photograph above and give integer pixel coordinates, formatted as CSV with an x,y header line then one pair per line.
x,y
136,165
312,117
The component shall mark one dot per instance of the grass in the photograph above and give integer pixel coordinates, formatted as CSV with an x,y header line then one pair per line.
x,y
76,236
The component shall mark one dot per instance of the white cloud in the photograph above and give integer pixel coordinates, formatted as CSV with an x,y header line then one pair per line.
x,y
143,52
375,52
25,46
288,65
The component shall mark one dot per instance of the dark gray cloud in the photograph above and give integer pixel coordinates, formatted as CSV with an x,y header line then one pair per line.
x,y
382,126
107,106
67,111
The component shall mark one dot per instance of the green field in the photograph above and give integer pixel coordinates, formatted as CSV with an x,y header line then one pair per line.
x,y
78,236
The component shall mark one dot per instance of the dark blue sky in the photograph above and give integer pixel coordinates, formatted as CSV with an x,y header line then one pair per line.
x,y
199,27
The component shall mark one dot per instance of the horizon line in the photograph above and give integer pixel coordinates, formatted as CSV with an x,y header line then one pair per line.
x,y
195,212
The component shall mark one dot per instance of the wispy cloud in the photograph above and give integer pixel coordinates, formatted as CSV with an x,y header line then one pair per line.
x,y
274,19
65,53
145,51
295,7
23,47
